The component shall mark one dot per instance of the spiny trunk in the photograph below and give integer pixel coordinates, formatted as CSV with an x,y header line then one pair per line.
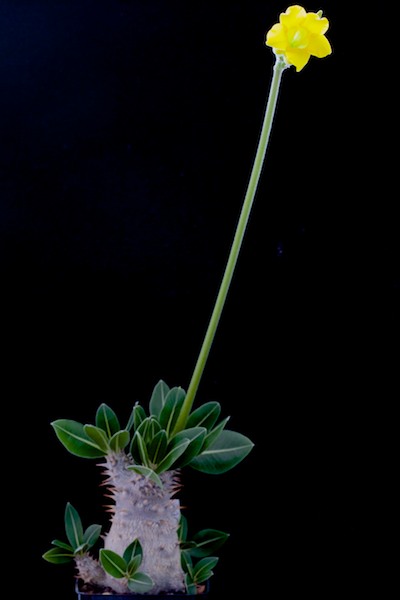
x,y
147,512
90,571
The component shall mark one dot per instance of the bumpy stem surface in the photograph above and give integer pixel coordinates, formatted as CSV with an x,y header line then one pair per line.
x,y
149,513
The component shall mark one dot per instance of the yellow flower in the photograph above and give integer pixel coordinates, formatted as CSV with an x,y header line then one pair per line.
x,y
299,35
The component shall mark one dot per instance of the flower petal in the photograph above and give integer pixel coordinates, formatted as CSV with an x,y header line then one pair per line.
x,y
298,58
277,38
316,24
293,16
319,46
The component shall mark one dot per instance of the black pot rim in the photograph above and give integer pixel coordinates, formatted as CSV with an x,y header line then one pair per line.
x,y
169,596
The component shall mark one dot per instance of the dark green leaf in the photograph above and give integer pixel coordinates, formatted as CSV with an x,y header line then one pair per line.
x,y
187,563
196,437
134,549
140,583
203,569
58,556
113,563
138,443
187,546
153,429
138,414
148,429
91,535
63,545
172,456
190,585
225,453
81,549
158,398
107,420
120,440
72,435
207,542
98,436
171,409
158,447
182,528
204,416
73,526
133,566
214,434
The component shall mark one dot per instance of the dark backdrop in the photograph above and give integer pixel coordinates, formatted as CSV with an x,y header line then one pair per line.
x,y
128,130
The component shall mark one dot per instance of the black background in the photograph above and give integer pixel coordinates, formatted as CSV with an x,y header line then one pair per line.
x,y
128,130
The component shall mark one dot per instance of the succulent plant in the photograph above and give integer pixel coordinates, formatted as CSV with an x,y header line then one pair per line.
x,y
146,546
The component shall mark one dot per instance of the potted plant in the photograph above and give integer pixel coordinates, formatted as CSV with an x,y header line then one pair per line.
x,y
148,548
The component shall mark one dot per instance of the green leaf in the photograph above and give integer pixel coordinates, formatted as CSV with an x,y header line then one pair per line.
x,y
172,456
140,583
81,549
91,535
183,528
107,420
190,585
138,415
203,569
196,437
207,542
225,453
120,440
133,566
58,556
63,545
187,562
171,409
72,435
73,526
187,546
153,427
134,549
158,447
113,563
148,429
146,472
204,416
214,434
138,443
98,436
158,398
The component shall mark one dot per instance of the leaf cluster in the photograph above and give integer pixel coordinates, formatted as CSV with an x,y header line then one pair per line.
x,y
151,438
127,566
79,541
196,554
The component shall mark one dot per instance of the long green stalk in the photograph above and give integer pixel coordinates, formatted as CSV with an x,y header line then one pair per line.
x,y
279,66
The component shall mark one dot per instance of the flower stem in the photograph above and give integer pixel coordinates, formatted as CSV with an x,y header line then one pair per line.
x,y
279,66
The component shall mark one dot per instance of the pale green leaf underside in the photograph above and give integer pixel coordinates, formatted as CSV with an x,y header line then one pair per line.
x,y
140,583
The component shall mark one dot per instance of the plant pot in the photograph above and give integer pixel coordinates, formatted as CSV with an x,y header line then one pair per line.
x,y
86,595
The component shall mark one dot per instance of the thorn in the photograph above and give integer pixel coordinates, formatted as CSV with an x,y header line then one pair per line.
x,y
105,482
